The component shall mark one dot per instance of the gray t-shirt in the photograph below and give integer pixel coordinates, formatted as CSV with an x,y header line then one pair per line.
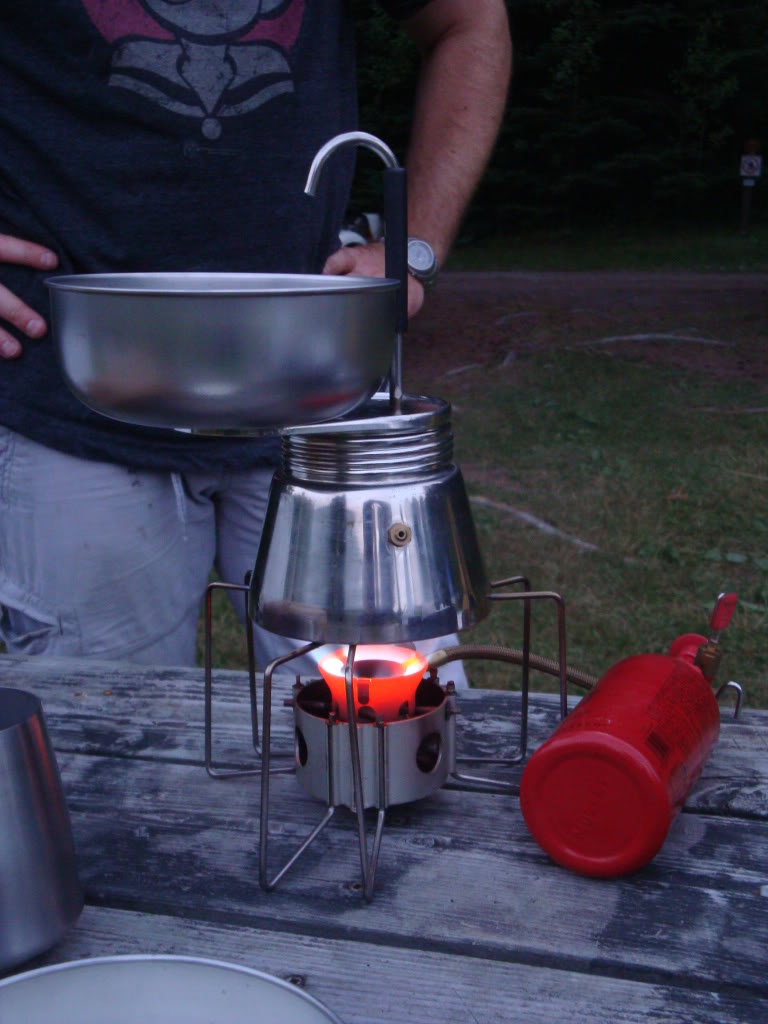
x,y
148,135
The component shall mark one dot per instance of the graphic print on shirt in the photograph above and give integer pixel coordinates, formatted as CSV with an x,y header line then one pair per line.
x,y
204,59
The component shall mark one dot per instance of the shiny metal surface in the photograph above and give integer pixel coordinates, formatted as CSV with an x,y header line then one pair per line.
x,y
368,536
400,761
364,139
155,990
213,352
40,895
418,415
395,200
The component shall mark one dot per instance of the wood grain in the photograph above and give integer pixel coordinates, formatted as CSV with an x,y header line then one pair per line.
x,y
470,919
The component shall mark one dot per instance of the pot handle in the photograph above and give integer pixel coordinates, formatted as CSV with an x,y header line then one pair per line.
x,y
396,239
396,266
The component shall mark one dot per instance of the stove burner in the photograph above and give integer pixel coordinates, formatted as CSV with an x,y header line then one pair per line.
x,y
385,681
401,760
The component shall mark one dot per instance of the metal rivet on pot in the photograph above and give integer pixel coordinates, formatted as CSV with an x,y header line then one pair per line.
x,y
399,534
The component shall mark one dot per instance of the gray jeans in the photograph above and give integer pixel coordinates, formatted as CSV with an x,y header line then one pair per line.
x,y
101,561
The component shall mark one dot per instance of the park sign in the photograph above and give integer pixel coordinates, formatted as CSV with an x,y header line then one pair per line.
x,y
751,168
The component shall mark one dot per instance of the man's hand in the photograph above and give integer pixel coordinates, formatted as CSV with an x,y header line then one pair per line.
x,y
368,261
12,309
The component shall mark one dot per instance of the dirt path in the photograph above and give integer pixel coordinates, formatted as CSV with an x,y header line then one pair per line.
x,y
716,323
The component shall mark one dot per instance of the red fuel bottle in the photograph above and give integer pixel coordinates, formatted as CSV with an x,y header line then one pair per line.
x,y
600,794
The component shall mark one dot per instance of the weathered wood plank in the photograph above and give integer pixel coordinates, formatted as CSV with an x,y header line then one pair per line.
x,y
470,920
134,711
364,983
456,870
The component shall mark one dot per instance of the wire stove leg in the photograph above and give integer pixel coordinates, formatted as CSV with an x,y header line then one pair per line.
x,y
212,770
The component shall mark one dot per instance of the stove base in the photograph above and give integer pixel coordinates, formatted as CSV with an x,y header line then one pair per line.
x,y
402,760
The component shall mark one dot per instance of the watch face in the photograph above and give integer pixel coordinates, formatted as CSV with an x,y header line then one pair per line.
x,y
421,259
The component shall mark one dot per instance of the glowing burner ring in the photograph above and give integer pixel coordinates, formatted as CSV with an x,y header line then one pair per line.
x,y
384,685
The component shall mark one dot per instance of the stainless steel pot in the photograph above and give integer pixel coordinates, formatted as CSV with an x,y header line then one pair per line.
x,y
221,351
155,990
368,536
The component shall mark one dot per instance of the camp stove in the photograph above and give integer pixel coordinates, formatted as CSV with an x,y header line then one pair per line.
x,y
369,544
377,727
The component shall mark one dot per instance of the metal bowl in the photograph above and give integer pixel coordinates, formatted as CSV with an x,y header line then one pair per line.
x,y
155,990
217,351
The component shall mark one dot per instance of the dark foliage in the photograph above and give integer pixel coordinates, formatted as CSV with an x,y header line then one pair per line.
x,y
619,111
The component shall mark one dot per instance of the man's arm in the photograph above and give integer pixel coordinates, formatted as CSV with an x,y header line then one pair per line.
x,y
460,99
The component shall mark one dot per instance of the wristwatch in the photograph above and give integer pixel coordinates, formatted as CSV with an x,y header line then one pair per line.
x,y
422,262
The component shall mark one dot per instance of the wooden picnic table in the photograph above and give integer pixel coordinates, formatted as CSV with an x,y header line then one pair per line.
x,y
470,920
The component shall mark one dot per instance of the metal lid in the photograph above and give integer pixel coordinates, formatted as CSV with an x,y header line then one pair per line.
x,y
154,989
418,413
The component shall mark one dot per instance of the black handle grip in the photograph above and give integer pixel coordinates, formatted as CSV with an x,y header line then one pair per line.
x,y
396,238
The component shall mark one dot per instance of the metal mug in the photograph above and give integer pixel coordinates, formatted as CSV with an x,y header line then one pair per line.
x,y
40,894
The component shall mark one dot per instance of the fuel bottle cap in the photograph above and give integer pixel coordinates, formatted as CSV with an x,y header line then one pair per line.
x,y
593,804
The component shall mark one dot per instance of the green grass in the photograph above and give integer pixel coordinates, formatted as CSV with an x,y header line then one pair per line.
x,y
650,248
613,453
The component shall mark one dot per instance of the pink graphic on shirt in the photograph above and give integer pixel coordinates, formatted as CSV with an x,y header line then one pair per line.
x,y
206,59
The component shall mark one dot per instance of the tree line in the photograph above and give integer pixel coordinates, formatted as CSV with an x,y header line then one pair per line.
x,y
618,111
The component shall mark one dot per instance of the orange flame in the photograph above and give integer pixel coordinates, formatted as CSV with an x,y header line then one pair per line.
x,y
385,680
